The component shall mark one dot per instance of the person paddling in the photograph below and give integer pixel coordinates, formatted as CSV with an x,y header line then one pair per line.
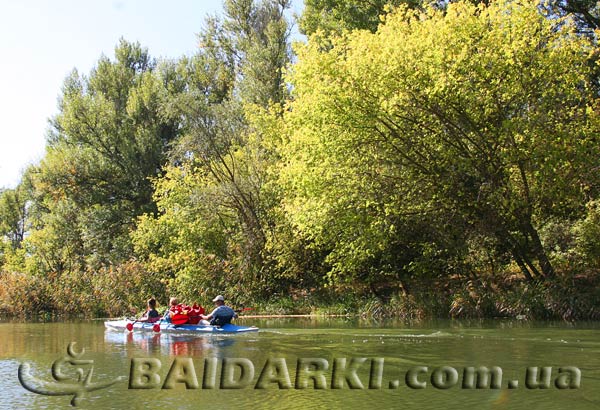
x,y
151,314
173,302
221,315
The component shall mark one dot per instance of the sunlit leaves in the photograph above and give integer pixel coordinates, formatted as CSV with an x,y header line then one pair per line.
x,y
472,112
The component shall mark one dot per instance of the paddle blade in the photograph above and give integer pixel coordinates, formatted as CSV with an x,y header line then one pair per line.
x,y
129,326
156,328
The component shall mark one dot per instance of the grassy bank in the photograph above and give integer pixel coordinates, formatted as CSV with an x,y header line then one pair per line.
x,y
124,292
574,299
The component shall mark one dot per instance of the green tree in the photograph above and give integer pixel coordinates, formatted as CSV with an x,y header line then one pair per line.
x,y
481,115
13,214
14,210
217,206
248,48
334,16
111,134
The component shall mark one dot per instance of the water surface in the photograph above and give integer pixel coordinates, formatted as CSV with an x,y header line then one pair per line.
x,y
299,364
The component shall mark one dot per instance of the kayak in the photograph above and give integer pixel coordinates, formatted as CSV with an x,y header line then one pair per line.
x,y
121,325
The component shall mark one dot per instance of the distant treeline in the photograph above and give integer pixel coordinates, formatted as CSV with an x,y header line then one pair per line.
x,y
411,158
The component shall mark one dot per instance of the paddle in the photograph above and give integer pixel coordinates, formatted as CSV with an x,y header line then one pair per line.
x,y
129,326
156,326
242,310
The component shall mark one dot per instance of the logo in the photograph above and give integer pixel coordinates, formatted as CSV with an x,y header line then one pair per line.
x,y
72,377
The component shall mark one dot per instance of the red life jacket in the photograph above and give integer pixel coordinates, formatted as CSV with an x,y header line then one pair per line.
x,y
182,314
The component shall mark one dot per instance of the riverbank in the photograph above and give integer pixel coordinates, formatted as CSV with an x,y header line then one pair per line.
x,y
566,298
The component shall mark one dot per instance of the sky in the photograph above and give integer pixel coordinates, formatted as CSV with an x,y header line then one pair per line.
x,y
42,41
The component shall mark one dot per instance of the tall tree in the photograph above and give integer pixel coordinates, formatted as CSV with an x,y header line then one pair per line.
x,y
484,113
110,136
224,211
253,42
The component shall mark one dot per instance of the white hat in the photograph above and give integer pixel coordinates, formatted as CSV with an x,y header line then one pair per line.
x,y
220,297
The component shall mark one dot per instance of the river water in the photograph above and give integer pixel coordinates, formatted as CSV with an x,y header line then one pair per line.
x,y
305,363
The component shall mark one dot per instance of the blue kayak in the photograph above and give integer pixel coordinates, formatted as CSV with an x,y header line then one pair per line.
x,y
121,325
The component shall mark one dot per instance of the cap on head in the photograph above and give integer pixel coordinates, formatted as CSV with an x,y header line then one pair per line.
x,y
219,298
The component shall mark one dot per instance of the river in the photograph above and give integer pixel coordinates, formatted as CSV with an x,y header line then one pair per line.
x,y
306,363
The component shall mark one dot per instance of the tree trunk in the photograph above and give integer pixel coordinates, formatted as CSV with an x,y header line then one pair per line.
x,y
539,252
